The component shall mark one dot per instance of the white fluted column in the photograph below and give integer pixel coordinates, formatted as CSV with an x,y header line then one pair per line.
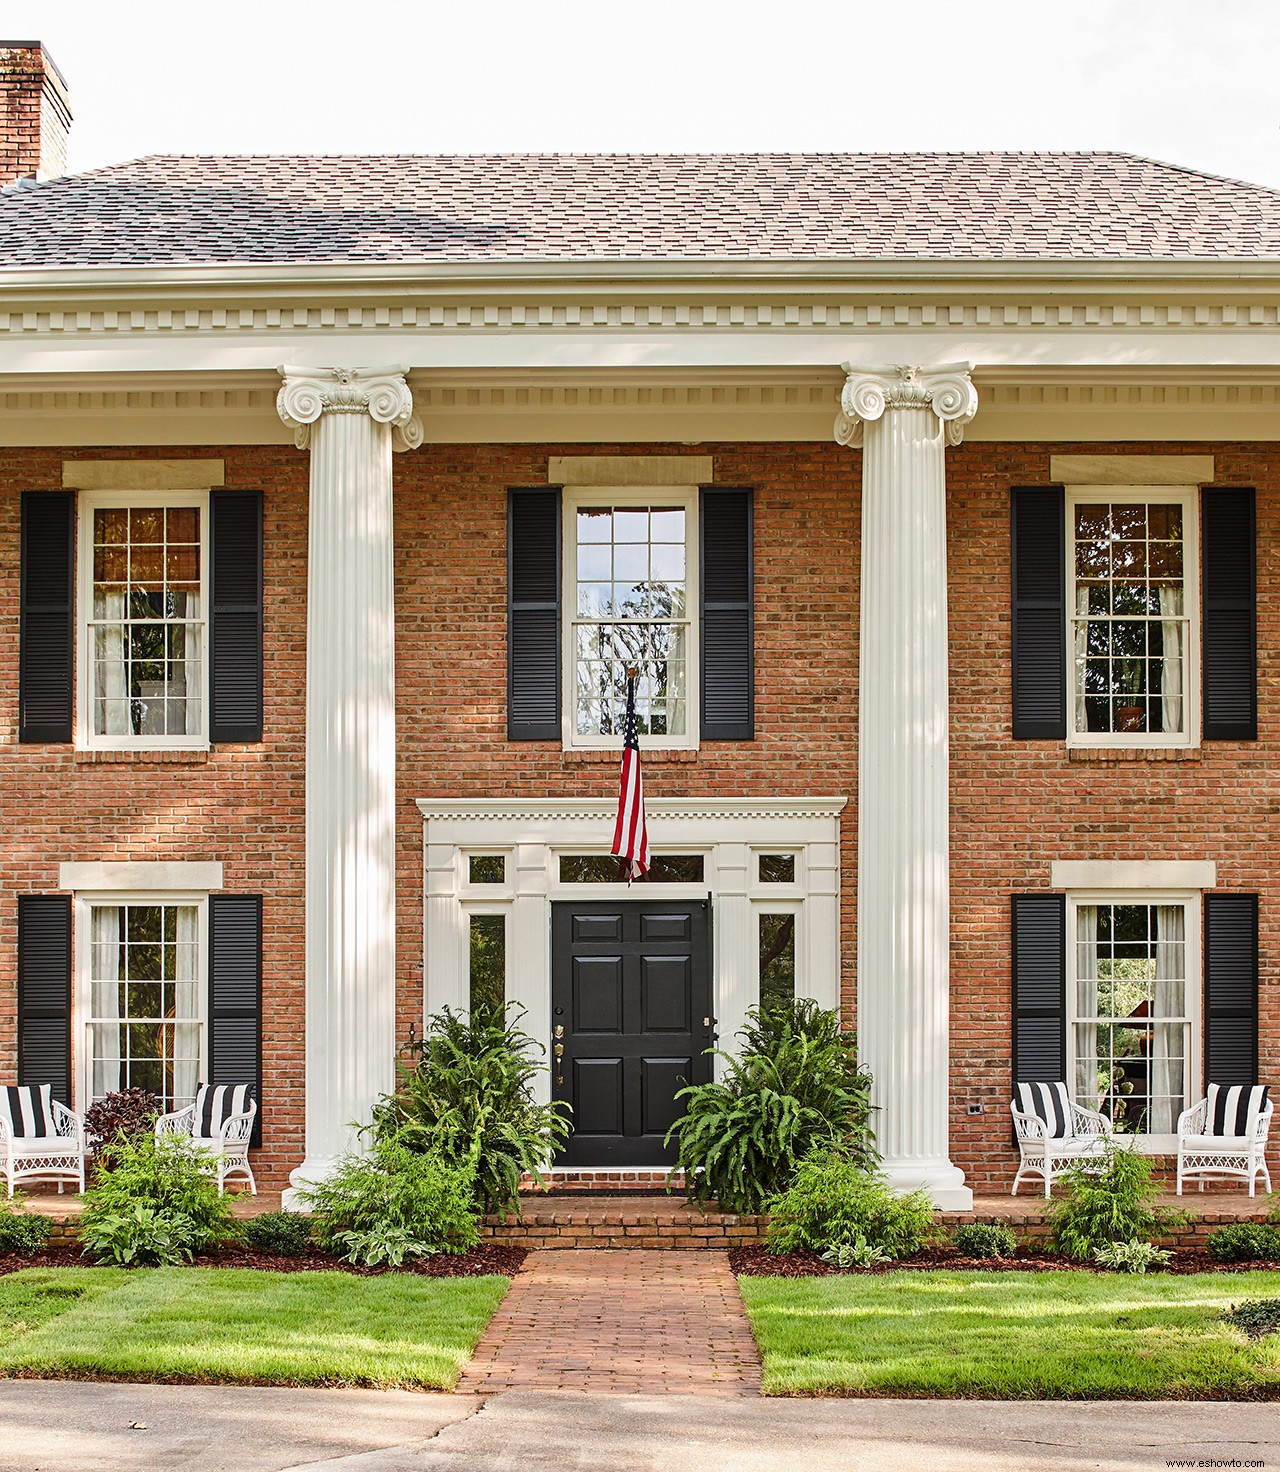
x,y
349,419
904,418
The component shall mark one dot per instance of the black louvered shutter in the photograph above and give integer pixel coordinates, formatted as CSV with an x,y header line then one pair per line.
x,y
1231,988
728,618
235,994
1039,614
1039,988
44,992
46,617
533,615
235,638
1230,657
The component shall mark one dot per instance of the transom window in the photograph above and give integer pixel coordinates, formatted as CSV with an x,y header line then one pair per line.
x,y
1132,1023
629,565
145,1016
1132,561
143,586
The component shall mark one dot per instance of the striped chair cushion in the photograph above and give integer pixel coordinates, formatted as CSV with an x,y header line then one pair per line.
x,y
217,1103
27,1111
1051,1103
1233,1108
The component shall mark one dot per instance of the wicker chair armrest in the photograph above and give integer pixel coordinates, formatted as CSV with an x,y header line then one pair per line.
x,y
237,1129
4,1131
1263,1126
1192,1121
1090,1121
67,1121
1028,1126
179,1122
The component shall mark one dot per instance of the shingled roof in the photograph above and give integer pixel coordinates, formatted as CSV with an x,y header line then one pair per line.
x,y
521,208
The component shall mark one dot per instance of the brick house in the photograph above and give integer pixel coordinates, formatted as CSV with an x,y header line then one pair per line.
x,y
958,683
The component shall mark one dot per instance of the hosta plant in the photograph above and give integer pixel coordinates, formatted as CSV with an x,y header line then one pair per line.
x,y
858,1253
1132,1257
382,1245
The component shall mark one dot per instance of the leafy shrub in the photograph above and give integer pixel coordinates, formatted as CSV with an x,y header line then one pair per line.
x,y
1256,1317
285,1232
796,1088
856,1254
1109,1199
22,1232
985,1239
157,1202
124,1114
833,1202
1245,1242
468,1100
1131,1257
394,1194
382,1244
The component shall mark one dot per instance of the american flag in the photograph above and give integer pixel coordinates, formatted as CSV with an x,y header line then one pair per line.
x,y
630,836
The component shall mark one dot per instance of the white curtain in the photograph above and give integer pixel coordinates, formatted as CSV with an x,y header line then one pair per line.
x,y
1172,663
1167,1037
1082,650
193,666
186,1031
1087,1005
104,1003
110,670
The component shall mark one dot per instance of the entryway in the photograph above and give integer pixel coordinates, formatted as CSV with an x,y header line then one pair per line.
x,y
631,1020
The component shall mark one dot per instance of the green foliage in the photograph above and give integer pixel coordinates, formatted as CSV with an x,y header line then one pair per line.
x,y
985,1239
157,1202
392,1190
1256,1317
383,1244
795,1088
285,1232
856,1254
1245,1242
1132,1257
1109,1199
469,1101
22,1232
833,1201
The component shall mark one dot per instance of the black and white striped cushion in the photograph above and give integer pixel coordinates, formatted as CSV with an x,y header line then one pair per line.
x,y
1232,1107
1049,1102
217,1103
28,1112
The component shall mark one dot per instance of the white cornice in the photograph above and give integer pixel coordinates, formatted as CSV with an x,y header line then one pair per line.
x,y
550,810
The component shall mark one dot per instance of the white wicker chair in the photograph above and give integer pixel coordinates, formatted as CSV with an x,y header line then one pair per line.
x,y
1042,1154
1204,1156
225,1114
40,1139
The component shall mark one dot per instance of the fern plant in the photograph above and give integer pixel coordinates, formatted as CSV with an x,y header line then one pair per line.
x,y
468,1099
796,1087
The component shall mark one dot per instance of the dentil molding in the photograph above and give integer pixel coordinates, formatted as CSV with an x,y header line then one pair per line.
x,y
382,393
552,809
946,391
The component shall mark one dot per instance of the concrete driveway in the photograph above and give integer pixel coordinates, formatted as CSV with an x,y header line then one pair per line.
x,y
48,1426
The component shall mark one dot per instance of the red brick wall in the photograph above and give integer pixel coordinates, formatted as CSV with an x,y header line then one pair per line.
x,y
1015,806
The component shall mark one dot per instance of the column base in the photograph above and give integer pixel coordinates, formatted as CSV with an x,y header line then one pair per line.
x,y
941,1181
310,1173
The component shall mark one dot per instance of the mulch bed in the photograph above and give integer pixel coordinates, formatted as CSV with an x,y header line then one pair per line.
x,y
756,1262
479,1262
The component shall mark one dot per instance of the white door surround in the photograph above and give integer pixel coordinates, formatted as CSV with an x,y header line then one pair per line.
x,y
532,834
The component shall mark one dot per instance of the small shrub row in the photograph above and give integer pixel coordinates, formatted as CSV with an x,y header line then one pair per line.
x,y
1245,1242
21,1232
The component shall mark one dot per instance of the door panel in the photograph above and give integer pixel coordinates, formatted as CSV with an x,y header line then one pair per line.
x,y
631,992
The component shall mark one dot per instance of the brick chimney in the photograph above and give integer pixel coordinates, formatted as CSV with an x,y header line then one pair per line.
x,y
35,117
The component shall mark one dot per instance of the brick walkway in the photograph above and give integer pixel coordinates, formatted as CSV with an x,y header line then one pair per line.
x,y
622,1320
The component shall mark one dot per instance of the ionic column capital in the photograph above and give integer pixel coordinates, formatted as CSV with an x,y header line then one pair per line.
x,y
383,393
946,391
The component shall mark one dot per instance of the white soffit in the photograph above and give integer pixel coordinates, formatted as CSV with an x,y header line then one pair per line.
x,y
142,475
1133,874
1131,470
125,875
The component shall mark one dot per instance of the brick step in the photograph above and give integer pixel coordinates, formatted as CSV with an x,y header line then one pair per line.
x,y
639,1219
564,1181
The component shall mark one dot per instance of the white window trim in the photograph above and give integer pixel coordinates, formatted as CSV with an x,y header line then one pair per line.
x,y
575,498
81,999
1190,900
1186,497
89,502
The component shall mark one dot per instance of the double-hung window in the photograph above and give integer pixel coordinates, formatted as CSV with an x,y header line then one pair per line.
x,y
1133,1007
144,612
630,591
1132,629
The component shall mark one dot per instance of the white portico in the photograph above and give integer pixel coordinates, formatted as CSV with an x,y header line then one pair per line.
x,y
903,419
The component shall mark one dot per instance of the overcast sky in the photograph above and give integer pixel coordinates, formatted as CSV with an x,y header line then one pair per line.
x,y
1196,82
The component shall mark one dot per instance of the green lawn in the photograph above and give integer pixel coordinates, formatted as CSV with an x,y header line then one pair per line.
x,y
1012,1335
215,1324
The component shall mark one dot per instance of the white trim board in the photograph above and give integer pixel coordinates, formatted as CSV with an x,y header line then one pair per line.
x,y
127,876
142,475
1131,470
1133,874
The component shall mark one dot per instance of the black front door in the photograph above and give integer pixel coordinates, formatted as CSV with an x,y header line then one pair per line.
x,y
631,1007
